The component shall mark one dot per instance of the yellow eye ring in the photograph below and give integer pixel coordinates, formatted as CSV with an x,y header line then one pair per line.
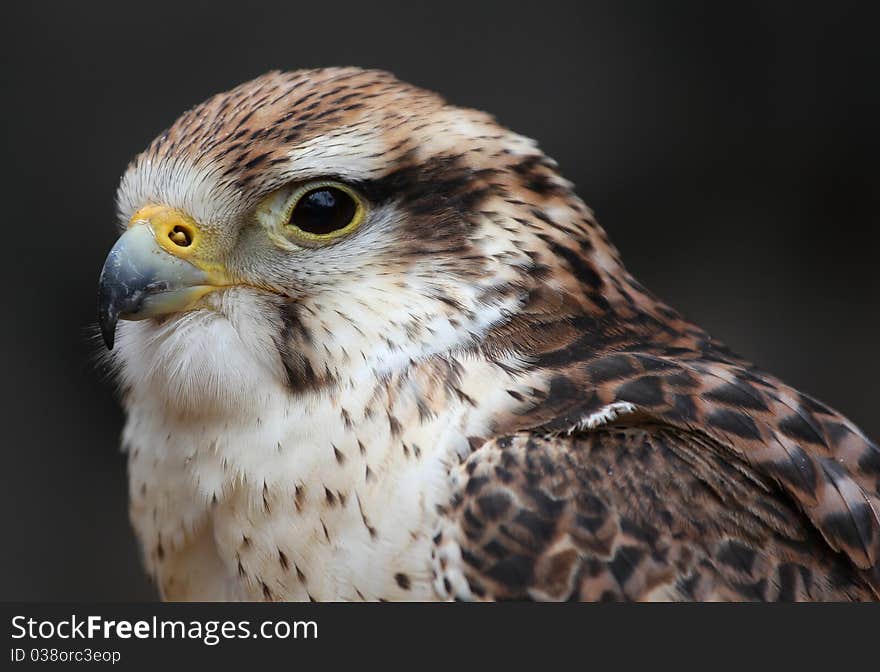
x,y
322,211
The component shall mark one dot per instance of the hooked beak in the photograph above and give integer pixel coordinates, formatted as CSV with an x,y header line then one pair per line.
x,y
154,269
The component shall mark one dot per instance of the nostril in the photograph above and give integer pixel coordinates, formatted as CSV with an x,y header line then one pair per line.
x,y
180,236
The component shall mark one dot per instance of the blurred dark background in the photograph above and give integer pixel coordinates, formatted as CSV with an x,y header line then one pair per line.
x,y
730,150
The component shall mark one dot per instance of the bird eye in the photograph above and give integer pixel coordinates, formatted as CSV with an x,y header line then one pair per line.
x,y
324,211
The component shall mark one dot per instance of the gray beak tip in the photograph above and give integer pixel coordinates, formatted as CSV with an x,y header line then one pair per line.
x,y
141,280
108,313
108,329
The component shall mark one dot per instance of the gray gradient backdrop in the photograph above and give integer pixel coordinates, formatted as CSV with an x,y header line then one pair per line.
x,y
732,154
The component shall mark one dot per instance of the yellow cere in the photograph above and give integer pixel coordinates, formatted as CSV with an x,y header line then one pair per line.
x,y
174,230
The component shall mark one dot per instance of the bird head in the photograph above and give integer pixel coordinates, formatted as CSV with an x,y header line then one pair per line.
x,y
305,228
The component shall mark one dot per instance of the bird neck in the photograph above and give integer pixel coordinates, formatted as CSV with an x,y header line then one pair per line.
x,y
286,493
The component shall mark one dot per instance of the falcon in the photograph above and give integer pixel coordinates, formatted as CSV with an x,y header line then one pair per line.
x,y
372,346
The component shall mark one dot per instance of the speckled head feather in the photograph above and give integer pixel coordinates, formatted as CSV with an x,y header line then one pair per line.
x,y
467,396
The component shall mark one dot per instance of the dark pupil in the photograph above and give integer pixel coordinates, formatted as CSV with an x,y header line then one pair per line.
x,y
323,210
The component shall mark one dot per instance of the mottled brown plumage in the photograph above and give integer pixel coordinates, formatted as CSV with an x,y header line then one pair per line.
x,y
801,481
467,397
636,513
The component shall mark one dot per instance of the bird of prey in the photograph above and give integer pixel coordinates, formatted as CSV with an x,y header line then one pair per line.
x,y
374,347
